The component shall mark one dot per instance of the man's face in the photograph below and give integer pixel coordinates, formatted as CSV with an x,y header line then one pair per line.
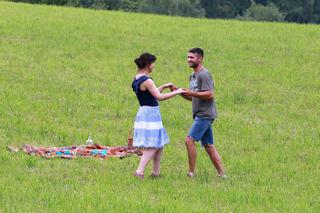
x,y
194,60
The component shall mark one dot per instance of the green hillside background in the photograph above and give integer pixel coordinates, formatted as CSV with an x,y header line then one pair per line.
x,y
66,73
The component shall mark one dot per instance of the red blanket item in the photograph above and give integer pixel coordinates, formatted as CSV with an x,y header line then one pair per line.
x,y
71,152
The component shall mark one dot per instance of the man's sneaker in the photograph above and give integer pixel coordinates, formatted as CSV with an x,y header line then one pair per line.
x,y
154,176
190,174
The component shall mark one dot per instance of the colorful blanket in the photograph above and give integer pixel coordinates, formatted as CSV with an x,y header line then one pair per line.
x,y
71,152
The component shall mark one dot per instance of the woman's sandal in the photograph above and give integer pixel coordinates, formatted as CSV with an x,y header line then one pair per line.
x,y
139,176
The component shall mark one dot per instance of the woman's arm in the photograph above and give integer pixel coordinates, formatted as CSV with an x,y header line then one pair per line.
x,y
167,85
151,87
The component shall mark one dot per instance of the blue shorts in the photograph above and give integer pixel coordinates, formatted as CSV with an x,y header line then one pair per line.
x,y
201,130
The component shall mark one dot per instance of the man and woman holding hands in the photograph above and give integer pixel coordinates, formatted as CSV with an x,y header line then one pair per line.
x,y
149,132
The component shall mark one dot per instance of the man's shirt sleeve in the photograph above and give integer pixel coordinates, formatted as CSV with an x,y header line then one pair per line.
x,y
206,82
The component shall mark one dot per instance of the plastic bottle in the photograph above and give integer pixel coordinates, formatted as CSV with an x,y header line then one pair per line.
x,y
89,140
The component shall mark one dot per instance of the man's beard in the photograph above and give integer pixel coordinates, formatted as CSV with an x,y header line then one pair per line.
x,y
193,65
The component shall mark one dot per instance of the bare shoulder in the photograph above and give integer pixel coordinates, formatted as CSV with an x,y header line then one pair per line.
x,y
149,81
147,84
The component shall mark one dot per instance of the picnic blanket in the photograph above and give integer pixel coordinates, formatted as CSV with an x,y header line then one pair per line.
x,y
71,152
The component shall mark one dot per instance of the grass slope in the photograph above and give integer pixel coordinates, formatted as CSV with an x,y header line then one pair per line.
x,y
65,73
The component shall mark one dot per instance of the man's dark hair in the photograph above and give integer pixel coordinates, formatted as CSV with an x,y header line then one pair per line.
x,y
144,60
197,50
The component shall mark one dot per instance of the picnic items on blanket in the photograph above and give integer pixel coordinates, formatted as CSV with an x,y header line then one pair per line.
x,y
13,148
71,152
89,140
130,137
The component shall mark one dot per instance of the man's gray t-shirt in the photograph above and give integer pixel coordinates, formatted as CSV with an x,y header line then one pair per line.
x,y
199,82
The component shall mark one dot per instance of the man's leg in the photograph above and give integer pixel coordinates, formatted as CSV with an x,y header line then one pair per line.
x,y
215,158
192,153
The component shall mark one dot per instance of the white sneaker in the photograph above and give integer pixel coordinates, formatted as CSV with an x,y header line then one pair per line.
x,y
224,176
190,174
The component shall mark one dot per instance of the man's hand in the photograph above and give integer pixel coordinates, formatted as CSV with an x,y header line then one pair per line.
x,y
188,93
205,95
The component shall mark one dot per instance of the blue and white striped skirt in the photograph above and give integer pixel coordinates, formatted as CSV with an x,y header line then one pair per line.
x,y
148,128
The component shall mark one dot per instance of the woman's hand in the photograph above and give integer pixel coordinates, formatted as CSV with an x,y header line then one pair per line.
x,y
173,87
167,85
179,91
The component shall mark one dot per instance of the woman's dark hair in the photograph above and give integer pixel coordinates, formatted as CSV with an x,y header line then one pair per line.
x,y
144,60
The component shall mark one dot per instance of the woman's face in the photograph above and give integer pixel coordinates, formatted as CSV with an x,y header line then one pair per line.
x,y
151,66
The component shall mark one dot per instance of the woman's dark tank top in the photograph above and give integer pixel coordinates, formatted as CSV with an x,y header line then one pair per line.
x,y
145,98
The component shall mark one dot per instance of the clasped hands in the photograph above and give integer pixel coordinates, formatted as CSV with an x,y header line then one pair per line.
x,y
182,91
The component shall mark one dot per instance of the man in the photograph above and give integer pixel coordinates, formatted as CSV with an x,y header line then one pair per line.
x,y
201,93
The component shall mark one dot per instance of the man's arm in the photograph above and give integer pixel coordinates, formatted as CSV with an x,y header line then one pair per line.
x,y
189,98
206,87
205,95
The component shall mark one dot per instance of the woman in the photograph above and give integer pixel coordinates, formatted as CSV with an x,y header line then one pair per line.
x,y
149,132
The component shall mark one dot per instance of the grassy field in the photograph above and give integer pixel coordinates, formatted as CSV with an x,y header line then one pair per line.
x,y
65,73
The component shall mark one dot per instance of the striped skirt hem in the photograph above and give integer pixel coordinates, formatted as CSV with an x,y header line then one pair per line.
x,y
148,128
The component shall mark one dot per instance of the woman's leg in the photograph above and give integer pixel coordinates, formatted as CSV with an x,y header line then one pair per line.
x,y
146,157
156,162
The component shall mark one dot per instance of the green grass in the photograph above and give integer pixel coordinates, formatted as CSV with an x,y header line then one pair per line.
x,y
65,73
